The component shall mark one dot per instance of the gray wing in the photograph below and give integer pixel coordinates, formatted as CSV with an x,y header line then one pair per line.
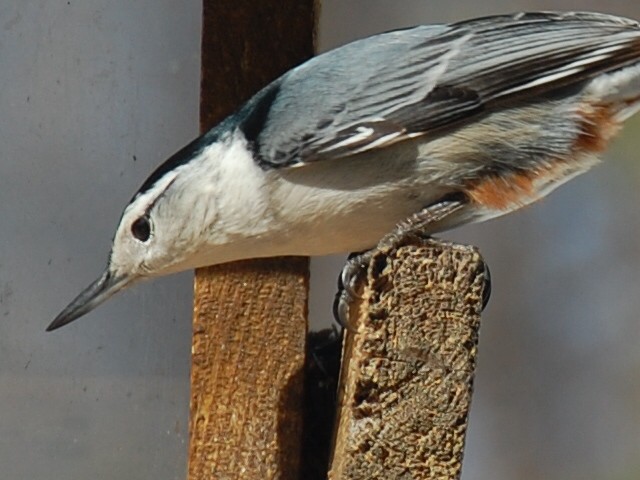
x,y
398,85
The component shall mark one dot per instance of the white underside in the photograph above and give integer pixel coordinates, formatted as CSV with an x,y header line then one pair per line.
x,y
330,207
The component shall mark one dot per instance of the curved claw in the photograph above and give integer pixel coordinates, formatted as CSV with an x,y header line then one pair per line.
x,y
341,305
486,291
348,286
352,273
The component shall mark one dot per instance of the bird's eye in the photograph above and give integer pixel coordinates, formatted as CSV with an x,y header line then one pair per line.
x,y
141,229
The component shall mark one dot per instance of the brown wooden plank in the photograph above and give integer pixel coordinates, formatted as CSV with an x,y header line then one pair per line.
x,y
249,322
408,365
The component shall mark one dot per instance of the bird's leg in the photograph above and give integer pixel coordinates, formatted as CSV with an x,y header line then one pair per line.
x,y
413,228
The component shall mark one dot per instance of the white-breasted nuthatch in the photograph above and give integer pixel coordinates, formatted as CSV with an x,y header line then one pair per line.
x,y
441,124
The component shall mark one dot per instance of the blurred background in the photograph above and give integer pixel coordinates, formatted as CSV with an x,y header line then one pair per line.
x,y
95,93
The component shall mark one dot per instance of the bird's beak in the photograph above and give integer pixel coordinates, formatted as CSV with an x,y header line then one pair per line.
x,y
92,296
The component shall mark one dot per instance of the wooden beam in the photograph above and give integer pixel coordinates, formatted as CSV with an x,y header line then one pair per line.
x,y
408,365
249,323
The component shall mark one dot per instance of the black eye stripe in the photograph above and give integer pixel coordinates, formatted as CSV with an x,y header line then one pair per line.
x,y
141,229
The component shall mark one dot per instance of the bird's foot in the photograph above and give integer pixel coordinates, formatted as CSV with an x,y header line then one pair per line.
x,y
415,228
350,280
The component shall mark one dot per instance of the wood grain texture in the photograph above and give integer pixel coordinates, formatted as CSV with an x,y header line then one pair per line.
x,y
247,364
408,365
249,325
247,44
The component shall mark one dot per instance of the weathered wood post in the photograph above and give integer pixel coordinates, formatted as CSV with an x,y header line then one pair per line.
x,y
249,323
408,365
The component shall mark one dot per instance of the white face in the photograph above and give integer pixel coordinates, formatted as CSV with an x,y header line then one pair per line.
x,y
202,213
135,242
153,238
184,217
156,232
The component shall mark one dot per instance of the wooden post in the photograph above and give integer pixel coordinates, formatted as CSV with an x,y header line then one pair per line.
x,y
249,324
408,365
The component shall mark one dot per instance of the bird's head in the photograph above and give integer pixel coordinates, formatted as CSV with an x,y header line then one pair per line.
x,y
157,234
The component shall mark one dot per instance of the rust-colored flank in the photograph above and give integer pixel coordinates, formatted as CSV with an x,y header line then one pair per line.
x,y
597,129
503,192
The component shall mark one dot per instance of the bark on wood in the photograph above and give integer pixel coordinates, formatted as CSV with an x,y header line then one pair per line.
x,y
408,365
249,323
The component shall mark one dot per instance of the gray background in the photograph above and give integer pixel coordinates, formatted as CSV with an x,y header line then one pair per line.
x,y
95,93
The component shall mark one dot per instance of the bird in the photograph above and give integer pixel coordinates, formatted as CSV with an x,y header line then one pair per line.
x,y
414,130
